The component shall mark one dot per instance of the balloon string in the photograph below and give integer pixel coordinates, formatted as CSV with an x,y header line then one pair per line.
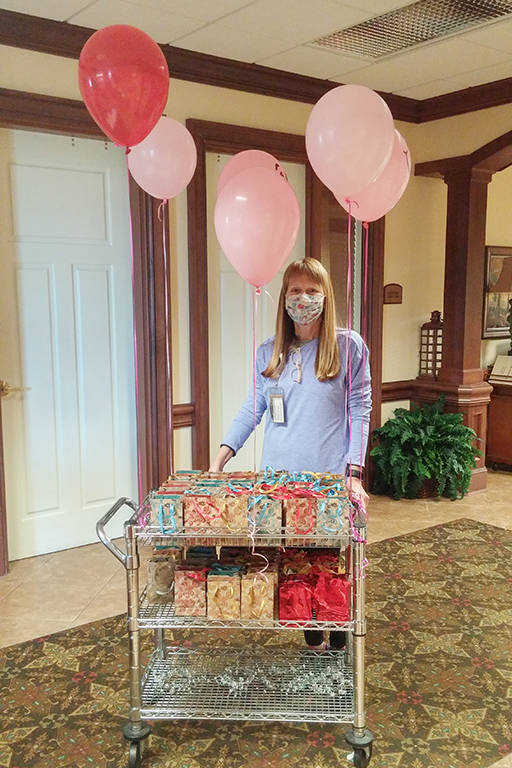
x,y
135,350
167,287
348,351
255,295
364,324
272,300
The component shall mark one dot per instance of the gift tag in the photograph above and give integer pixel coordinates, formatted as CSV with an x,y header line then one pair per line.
x,y
276,395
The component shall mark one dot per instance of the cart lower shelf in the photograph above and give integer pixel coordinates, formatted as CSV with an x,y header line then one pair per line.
x,y
248,684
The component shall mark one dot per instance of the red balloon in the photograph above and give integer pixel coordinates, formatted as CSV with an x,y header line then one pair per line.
x,y
124,82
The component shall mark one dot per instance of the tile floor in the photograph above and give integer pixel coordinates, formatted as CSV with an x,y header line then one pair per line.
x,y
42,595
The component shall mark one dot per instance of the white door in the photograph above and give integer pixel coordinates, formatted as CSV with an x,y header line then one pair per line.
x,y
66,339
230,304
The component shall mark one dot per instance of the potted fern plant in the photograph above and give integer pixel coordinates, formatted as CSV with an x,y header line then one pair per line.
x,y
422,446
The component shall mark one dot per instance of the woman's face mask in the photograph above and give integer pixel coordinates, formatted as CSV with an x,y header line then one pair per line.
x,y
304,308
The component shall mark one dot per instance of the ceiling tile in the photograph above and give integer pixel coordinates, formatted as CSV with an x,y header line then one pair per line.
x,y
428,90
295,21
314,62
161,26
219,40
374,7
497,36
205,10
436,61
483,75
58,10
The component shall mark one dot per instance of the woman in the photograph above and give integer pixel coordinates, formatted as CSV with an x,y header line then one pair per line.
x,y
314,380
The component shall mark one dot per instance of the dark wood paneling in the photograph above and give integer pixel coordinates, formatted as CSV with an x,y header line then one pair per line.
x,y
391,391
464,275
182,415
64,39
466,100
153,352
375,310
46,113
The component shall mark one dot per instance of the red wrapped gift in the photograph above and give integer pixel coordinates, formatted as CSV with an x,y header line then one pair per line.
x,y
332,598
295,600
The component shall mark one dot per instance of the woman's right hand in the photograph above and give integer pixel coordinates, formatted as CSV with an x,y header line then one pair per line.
x,y
224,455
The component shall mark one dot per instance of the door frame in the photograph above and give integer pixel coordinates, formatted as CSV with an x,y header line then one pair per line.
x,y
151,295
286,147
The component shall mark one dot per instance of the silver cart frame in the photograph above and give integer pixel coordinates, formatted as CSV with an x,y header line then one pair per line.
x,y
198,697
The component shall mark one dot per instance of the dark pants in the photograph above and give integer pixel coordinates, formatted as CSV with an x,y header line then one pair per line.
x,y
337,640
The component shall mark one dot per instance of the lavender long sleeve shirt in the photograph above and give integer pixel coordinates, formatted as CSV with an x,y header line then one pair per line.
x,y
317,434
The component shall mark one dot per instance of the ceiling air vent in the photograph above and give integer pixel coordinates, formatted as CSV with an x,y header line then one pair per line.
x,y
413,24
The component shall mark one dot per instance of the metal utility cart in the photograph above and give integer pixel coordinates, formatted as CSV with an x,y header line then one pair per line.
x,y
248,683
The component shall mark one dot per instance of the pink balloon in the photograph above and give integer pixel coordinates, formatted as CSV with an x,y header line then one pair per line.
x,y
349,138
249,158
165,161
385,192
257,220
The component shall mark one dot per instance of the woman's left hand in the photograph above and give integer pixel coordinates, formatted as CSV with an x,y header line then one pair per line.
x,y
357,492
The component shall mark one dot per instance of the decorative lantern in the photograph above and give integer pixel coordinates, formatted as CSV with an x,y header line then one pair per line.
x,y
431,345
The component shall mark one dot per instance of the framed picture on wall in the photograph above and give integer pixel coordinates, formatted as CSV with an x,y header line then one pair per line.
x,y
498,291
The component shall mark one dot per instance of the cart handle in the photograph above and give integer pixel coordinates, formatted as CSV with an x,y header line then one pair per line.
x,y
109,514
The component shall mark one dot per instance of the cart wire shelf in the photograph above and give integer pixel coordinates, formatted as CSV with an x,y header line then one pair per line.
x,y
243,538
162,615
269,684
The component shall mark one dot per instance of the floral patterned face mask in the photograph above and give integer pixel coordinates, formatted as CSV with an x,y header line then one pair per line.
x,y
303,308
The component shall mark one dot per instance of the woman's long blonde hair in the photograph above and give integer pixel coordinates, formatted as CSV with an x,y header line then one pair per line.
x,y
327,363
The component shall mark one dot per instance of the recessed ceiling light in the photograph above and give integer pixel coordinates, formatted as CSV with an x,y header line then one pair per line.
x,y
413,24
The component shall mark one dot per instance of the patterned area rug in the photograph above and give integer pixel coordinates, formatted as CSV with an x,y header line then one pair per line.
x,y
439,676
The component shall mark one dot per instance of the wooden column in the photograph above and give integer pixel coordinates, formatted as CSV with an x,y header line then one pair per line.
x,y
151,291
460,376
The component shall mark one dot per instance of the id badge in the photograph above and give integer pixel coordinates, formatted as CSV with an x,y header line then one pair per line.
x,y
276,395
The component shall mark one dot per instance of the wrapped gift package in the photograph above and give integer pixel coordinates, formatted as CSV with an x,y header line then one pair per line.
x,y
259,595
295,599
167,512
265,515
190,589
224,592
332,597
300,518
271,507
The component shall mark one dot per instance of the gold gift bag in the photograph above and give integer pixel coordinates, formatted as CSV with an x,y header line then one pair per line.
x,y
259,595
223,596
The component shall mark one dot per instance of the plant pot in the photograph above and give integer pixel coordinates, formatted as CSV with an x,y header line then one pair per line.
x,y
428,489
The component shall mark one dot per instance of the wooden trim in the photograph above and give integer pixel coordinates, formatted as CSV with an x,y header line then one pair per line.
x,y
63,39
437,168
46,113
375,312
226,138
492,157
466,100
60,38
4,555
392,391
152,340
183,415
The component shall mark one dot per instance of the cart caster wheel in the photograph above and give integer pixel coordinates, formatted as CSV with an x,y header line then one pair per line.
x,y
361,758
135,755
